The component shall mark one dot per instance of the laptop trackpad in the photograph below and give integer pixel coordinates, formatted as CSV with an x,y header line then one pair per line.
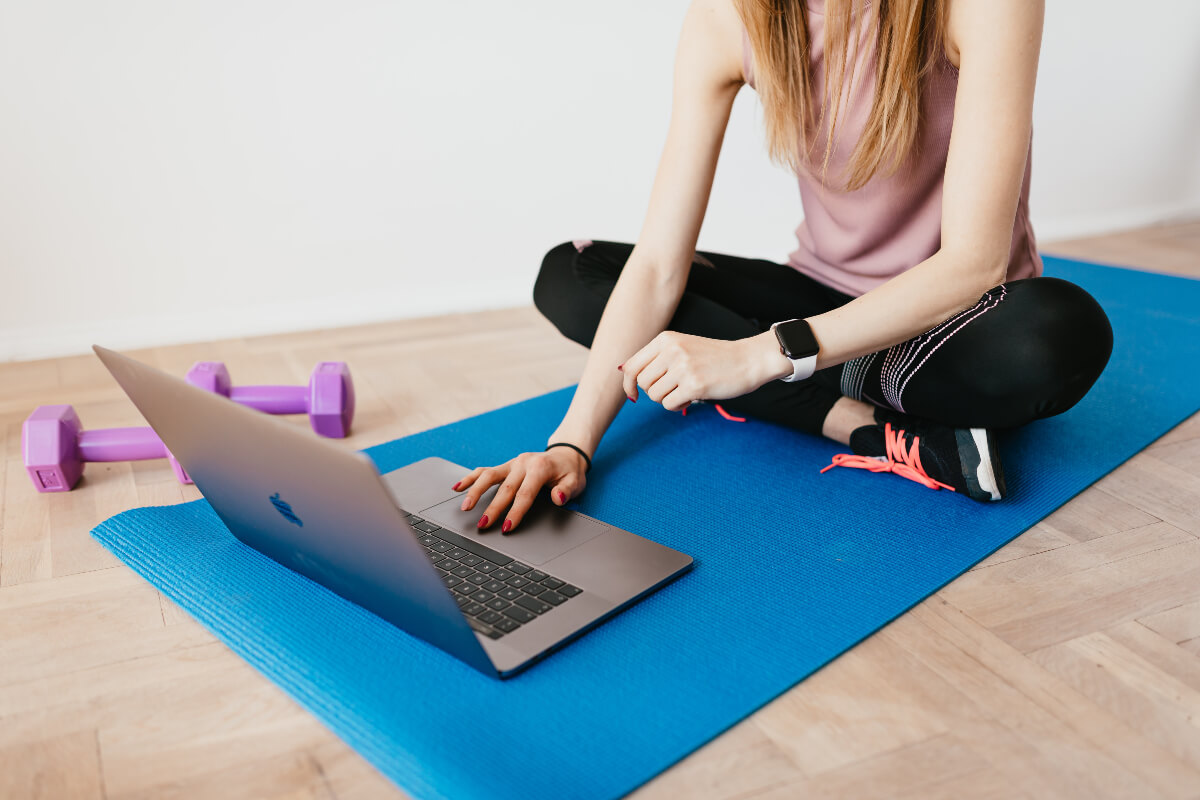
x,y
546,532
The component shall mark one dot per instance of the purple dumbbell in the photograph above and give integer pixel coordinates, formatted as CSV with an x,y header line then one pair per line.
x,y
328,399
56,447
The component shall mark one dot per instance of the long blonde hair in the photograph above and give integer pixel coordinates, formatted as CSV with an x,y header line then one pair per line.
x,y
908,40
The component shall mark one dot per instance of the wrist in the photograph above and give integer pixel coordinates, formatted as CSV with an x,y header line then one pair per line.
x,y
581,441
771,363
584,457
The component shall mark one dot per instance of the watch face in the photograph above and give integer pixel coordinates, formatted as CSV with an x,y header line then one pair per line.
x,y
796,339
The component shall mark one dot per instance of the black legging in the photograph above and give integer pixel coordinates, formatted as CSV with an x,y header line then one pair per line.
x,y
1028,349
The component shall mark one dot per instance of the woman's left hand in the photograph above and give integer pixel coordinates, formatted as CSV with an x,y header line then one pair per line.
x,y
676,368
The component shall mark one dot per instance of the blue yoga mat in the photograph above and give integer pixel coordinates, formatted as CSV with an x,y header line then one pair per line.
x,y
792,569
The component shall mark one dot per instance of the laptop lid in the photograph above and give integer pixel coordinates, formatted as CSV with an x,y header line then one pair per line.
x,y
306,502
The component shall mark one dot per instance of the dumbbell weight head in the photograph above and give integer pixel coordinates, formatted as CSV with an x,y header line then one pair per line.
x,y
211,376
49,446
55,447
331,399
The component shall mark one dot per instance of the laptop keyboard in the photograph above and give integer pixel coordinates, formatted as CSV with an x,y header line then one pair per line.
x,y
497,594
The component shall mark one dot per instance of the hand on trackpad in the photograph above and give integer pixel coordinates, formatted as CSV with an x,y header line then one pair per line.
x,y
546,531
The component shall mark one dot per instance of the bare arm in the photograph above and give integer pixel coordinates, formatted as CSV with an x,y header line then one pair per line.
x,y
997,47
707,77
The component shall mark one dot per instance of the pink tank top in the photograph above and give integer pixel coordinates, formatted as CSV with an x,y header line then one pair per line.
x,y
855,241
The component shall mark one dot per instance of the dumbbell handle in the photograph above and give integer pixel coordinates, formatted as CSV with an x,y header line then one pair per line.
x,y
272,399
120,444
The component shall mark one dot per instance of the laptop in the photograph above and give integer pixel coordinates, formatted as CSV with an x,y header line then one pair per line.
x,y
398,544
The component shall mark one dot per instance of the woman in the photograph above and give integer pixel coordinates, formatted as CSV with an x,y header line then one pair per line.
x,y
913,321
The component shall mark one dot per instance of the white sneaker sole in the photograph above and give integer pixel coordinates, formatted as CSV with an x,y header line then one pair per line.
x,y
984,474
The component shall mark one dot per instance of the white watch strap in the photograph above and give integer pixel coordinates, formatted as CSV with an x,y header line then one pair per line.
x,y
801,368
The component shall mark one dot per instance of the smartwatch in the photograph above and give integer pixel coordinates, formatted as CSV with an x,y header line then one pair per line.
x,y
797,343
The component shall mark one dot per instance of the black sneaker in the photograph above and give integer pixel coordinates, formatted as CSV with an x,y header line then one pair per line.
x,y
938,456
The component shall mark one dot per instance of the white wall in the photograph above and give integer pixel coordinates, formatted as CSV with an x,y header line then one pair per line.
x,y
186,170
1116,116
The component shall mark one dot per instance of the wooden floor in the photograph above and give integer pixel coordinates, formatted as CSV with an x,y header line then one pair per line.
x,y
1066,665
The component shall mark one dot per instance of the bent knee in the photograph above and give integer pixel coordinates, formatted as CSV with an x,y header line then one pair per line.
x,y
554,279
1059,328
562,297
1053,347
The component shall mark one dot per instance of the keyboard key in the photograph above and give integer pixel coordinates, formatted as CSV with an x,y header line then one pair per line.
x,y
533,604
440,547
426,526
480,596
489,617
448,564
457,552
452,580
499,604
428,540
537,576
413,519
470,560
494,586
552,583
534,589
569,590
507,625
463,588
502,574
441,572
485,566
473,608
518,613
552,597
462,600
516,581
463,572
475,547
518,567
479,580
509,593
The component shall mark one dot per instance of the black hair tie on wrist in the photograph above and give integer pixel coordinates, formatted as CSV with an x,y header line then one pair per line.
x,y
573,447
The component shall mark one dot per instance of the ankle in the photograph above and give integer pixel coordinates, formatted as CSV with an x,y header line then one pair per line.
x,y
846,416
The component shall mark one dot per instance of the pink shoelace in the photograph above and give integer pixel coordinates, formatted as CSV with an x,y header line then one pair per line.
x,y
720,411
898,461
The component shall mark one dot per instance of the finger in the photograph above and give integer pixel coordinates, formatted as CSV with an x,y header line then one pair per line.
x,y
662,388
634,364
677,399
487,477
565,489
502,499
463,483
523,499
652,372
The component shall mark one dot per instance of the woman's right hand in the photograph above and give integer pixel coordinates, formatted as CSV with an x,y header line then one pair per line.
x,y
521,479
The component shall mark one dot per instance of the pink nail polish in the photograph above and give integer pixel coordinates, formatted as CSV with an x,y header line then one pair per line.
x,y
455,486
621,367
482,522
562,498
507,526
